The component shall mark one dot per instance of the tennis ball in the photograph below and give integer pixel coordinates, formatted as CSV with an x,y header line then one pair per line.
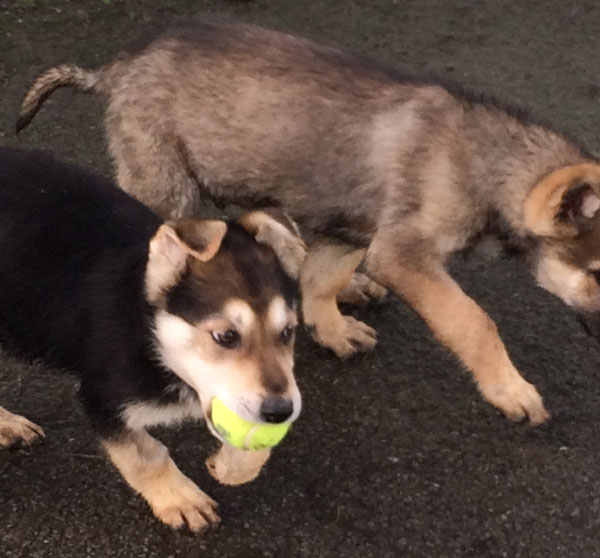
x,y
243,434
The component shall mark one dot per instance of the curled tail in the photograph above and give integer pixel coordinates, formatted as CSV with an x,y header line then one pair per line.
x,y
64,75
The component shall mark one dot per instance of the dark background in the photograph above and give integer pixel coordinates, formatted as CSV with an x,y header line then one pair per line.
x,y
395,454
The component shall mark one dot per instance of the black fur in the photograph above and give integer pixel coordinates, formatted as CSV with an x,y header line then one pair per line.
x,y
73,253
570,208
243,267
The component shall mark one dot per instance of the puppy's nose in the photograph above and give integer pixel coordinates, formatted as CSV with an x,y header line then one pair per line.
x,y
276,409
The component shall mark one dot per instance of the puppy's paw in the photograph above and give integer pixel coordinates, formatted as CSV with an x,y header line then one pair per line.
x,y
16,430
180,502
361,291
518,400
346,336
232,466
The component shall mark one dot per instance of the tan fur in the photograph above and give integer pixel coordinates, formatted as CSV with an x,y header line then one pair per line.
x,y
146,466
241,377
361,291
232,466
166,262
288,245
570,253
412,170
209,231
327,271
542,204
261,365
459,323
198,288
17,430
567,281
168,254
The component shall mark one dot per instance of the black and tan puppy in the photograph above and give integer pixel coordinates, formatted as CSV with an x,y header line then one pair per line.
x,y
157,318
371,163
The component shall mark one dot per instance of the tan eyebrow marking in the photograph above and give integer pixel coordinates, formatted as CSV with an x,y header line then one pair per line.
x,y
239,313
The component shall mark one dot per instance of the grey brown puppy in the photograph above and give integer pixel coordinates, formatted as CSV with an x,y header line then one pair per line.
x,y
398,172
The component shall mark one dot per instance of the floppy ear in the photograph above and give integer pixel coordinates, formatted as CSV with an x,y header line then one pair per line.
x,y
171,246
203,237
563,203
277,230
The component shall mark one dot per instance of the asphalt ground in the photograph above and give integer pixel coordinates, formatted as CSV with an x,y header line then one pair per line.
x,y
395,453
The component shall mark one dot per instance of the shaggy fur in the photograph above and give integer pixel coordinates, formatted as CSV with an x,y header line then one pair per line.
x,y
399,171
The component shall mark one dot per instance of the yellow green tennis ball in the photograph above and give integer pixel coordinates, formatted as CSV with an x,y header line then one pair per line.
x,y
243,434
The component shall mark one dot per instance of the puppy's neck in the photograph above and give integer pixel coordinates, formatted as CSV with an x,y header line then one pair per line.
x,y
511,155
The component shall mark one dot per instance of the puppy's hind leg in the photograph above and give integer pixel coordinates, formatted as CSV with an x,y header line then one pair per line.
x,y
146,465
326,271
152,167
16,430
361,291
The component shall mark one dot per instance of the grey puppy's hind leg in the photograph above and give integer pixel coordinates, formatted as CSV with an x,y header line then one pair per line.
x,y
326,271
17,430
361,291
151,169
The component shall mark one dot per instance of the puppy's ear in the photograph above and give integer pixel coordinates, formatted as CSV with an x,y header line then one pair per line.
x,y
203,237
277,230
564,202
170,248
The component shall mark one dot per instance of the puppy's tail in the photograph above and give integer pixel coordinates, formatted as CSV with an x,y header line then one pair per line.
x,y
64,75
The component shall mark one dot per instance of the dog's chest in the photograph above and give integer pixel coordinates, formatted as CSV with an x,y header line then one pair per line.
x,y
144,414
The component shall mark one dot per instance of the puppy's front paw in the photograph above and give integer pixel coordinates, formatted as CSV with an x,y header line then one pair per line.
x,y
232,466
346,336
16,430
361,291
179,502
518,400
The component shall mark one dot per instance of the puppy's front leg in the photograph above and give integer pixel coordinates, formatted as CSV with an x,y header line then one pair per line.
x,y
17,430
146,465
460,324
232,466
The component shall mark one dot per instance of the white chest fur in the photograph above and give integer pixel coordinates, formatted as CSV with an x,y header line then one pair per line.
x,y
142,415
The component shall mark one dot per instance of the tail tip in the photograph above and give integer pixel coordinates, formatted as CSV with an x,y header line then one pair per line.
x,y
22,121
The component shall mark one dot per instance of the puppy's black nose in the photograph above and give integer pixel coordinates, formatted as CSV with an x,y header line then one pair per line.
x,y
276,409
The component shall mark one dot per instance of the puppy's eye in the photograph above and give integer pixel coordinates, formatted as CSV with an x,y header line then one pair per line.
x,y
286,334
596,275
230,338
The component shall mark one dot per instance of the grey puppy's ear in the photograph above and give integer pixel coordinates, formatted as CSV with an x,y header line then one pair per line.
x,y
564,202
170,247
278,231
